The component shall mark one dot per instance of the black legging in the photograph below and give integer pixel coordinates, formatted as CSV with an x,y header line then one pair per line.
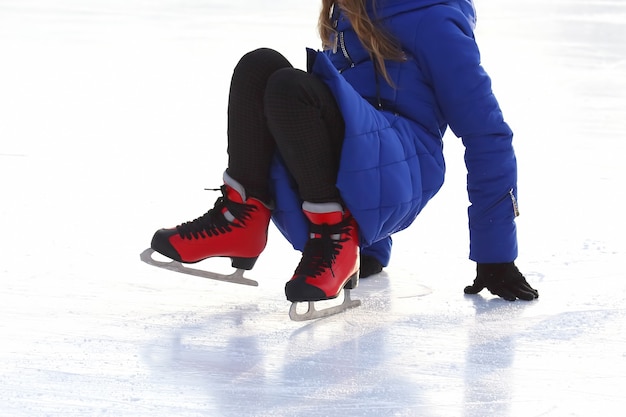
x,y
275,106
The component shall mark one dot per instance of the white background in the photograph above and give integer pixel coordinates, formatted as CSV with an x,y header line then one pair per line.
x,y
113,120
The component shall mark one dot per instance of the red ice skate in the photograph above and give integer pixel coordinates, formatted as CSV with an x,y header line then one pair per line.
x,y
330,260
236,227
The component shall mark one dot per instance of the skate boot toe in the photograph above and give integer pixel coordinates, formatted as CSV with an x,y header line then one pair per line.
x,y
298,290
161,244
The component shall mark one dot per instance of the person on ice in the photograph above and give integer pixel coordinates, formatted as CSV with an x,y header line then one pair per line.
x,y
342,156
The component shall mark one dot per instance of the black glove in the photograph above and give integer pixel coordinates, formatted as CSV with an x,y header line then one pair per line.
x,y
503,280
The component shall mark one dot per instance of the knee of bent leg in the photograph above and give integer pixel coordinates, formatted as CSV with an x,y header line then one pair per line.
x,y
284,84
260,59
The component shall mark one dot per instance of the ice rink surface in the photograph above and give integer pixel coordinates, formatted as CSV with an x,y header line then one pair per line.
x,y
113,121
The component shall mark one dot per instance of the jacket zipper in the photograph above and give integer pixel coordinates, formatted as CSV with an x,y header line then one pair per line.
x,y
344,51
500,200
514,201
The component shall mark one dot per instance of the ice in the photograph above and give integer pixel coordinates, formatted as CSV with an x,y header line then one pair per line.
x,y
113,121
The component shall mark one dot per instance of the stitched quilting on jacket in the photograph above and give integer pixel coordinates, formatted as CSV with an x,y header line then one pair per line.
x,y
392,159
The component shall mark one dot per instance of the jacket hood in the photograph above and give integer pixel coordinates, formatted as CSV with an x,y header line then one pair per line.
x,y
388,8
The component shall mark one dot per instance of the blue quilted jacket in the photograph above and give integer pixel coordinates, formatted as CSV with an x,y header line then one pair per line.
x,y
392,161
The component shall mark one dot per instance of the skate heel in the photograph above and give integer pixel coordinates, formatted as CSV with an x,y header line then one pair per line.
x,y
352,282
243,263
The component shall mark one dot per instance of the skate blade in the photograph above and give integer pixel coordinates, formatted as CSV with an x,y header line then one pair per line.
x,y
312,313
235,278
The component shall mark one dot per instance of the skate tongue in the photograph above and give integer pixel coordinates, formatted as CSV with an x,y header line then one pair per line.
x,y
336,236
234,190
323,213
233,195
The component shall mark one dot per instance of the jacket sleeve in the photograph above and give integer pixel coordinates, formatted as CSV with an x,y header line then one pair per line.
x,y
449,57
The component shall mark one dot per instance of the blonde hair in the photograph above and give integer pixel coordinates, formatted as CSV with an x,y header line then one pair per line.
x,y
375,40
